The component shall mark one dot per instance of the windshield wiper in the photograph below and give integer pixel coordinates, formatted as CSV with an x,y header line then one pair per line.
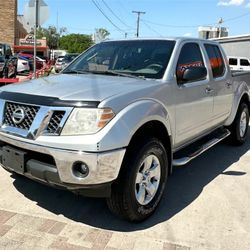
x,y
117,73
107,72
76,71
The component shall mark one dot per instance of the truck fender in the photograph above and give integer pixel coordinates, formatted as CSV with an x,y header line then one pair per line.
x,y
241,90
120,130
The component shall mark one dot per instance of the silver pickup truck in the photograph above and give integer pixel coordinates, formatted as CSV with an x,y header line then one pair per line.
x,y
120,116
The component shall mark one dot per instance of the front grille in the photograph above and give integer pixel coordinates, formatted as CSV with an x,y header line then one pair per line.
x,y
54,123
30,113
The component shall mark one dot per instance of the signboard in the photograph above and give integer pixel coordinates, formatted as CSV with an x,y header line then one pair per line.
x,y
30,12
29,40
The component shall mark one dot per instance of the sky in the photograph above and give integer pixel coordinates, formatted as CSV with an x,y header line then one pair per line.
x,y
162,18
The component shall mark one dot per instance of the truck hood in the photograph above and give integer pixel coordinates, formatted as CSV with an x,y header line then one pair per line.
x,y
79,87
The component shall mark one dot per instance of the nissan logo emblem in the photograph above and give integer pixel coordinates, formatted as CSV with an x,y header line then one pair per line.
x,y
18,115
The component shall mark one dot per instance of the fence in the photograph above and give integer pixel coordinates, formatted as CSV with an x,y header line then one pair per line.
x,y
44,71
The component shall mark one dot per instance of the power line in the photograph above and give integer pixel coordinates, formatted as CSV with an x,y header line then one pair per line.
x,y
237,17
100,9
196,26
107,6
150,28
171,26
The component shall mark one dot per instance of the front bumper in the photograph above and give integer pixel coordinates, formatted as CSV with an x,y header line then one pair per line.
x,y
104,167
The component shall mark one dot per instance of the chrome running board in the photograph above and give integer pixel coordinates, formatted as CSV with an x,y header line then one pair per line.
x,y
186,159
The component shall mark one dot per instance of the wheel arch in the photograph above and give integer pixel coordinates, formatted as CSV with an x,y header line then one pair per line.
x,y
158,130
244,97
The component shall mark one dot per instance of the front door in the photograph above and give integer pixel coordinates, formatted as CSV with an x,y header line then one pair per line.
x,y
194,99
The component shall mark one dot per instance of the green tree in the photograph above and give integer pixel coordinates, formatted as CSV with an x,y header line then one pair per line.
x,y
75,43
52,35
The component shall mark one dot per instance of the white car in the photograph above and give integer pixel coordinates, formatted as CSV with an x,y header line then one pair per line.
x,y
59,64
239,63
22,65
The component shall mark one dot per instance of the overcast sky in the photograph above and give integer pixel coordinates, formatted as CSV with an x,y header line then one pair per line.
x,y
162,18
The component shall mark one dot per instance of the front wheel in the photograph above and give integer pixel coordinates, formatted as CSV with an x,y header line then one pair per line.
x,y
239,127
140,185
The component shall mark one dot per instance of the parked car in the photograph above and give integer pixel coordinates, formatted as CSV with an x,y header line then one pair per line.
x,y
40,62
68,58
120,116
8,62
22,65
64,61
239,63
2,63
8,67
59,64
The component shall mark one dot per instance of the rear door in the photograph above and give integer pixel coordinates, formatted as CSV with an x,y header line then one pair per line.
x,y
220,84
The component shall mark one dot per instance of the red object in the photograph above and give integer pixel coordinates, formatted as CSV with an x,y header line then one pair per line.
x,y
23,47
9,80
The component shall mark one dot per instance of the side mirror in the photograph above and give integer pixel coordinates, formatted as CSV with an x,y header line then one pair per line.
x,y
192,74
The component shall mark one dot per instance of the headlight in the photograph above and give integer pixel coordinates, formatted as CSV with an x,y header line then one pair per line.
x,y
84,121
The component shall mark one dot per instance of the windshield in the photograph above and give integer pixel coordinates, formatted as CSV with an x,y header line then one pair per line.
x,y
143,58
69,58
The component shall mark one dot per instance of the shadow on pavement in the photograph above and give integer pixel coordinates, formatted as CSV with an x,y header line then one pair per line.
x,y
184,186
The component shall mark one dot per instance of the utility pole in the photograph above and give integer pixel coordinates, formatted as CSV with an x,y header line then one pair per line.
x,y
138,20
35,33
220,23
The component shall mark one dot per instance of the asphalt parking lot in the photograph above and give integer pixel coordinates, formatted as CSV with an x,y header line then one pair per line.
x,y
206,207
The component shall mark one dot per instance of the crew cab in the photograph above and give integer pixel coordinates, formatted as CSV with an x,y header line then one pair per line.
x,y
117,119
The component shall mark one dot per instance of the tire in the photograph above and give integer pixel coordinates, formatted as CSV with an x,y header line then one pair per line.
x,y
144,171
6,73
239,127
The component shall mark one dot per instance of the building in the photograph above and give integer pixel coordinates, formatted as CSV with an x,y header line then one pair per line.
x,y
25,25
8,21
236,45
26,45
208,32
14,30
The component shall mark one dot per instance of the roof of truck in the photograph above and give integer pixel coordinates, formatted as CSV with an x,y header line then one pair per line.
x,y
163,39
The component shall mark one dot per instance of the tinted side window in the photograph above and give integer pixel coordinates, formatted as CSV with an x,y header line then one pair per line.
x,y
8,50
244,62
190,56
216,60
232,61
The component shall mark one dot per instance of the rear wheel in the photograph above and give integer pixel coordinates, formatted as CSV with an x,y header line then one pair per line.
x,y
239,127
140,185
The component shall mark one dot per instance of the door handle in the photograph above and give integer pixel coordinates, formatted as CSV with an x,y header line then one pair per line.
x,y
209,90
228,84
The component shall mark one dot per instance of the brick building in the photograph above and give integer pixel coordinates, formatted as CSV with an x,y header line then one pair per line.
x,y
8,21
11,25
14,30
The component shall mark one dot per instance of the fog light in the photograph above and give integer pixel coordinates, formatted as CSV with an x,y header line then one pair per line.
x,y
80,169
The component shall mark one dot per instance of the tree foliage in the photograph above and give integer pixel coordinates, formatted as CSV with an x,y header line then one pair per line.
x,y
52,35
101,34
75,43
